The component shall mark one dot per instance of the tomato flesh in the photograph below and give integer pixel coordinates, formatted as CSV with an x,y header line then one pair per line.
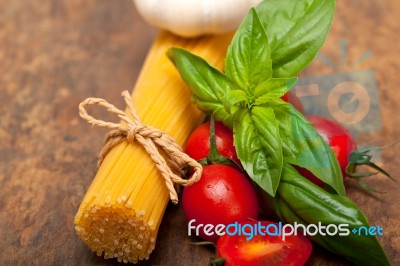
x,y
263,250
223,195
198,144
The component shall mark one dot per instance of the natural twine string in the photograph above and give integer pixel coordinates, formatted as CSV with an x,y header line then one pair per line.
x,y
153,141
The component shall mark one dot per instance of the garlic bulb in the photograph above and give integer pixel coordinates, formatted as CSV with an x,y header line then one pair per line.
x,y
191,18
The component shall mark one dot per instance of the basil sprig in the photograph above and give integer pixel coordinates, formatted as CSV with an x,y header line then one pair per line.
x,y
275,41
258,71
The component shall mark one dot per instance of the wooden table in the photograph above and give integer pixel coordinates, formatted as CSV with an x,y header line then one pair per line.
x,y
54,54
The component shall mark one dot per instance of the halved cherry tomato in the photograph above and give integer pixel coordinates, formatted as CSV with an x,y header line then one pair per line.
x,y
270,249
198,144
223,195
338,138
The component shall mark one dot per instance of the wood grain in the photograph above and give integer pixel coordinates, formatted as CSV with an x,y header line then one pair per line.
x,y
54,54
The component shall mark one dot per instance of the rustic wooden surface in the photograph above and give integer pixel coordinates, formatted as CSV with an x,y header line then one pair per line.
x,y
54,54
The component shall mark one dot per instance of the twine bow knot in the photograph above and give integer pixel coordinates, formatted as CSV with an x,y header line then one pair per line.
x,y
153,141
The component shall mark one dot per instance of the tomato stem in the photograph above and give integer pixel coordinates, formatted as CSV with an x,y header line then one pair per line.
x,y
203,243
364,157
217,261
213,156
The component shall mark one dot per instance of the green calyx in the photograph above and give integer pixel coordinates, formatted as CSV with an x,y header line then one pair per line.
x,y
363,157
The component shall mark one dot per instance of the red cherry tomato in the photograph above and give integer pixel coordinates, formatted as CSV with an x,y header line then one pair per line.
x,y
223,195
290,97
198,144
269,250
337,137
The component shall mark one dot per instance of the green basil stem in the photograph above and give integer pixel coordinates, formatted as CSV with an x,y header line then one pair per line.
x,y
300,201
213,156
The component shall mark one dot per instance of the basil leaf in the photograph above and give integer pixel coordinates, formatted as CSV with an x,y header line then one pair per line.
x,y
208,85
233,99
272,89
296,30
304,147
248,61
301,201
259,148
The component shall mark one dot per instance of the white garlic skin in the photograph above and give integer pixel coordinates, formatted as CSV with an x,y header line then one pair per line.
x,y
192,18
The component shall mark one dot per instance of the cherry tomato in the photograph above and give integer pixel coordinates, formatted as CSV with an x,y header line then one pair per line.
x,y
337,137
198,144
223,195
290,97
269,249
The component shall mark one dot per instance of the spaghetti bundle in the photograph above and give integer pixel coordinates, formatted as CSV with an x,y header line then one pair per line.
x,y
122,210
